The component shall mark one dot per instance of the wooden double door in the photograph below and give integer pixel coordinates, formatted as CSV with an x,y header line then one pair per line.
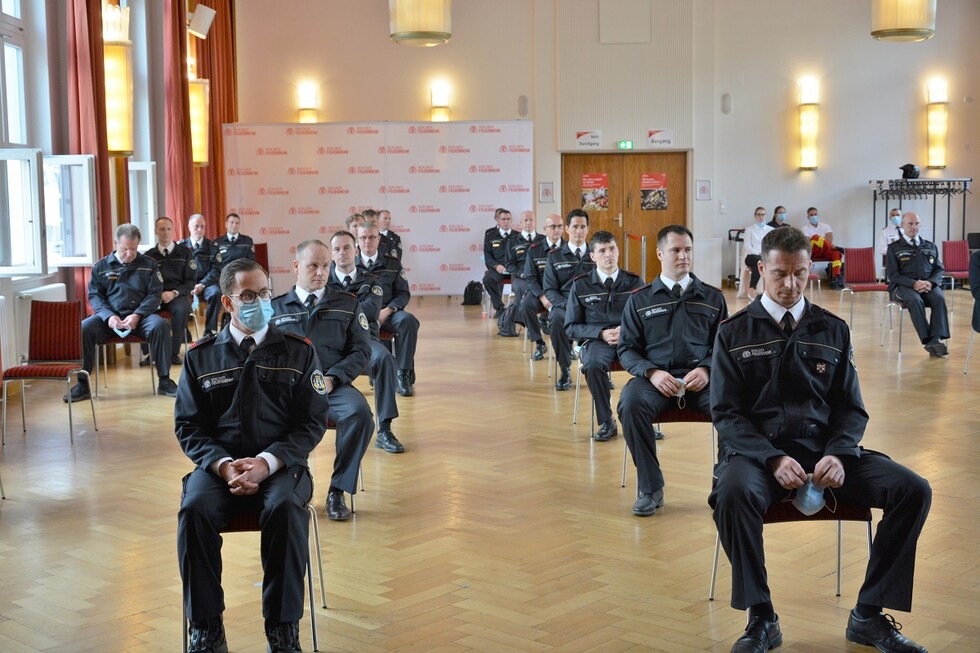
x,y
635,193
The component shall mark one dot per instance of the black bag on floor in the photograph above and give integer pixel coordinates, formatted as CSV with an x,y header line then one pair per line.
x,y
473,294
505,322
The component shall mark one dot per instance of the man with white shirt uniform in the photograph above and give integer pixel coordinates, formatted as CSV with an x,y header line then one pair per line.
x,y
821,237
516,255
203,250
665,342
232,246
535,300
495,258
178,268
891,233
389,239
752,247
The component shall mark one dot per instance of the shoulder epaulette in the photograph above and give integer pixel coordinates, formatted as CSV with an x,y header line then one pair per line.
x,y
297,337
206,340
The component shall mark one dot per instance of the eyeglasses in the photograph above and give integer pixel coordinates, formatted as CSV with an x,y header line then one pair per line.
x,y
249,297
760,215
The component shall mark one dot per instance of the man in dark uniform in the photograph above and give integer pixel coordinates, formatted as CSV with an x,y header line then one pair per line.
x,y
915,276
975,288
516,255
392,317
339,331
495,258
252,406
203,250
232,246
124,294
344,276
389,239
787,406
563,266
595,309
179,270
535,300
665,342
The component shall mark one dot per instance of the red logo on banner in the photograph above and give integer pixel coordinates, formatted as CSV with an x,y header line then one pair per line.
x,y
473,129
350,130
362,130
515,149
273,231
245,211
351,209
271,151
474,247
484,129
424,248
363,170
239,131
242,172
292,250
292,210
301,131
424,129
514,188
503,148
457,149
291,171
382,189
289,131
424,208
453,228
427,287
482,208
259,151
473,208
412,130
262,231
333,190
352,170
413,209
485,169
396,190
473,168
502,189
443,149
332,149
279,269
425,170
454,267
323,230
262,191
382,150
412,170
321,190
228,131
398,149
414,287
302,210
273,190
303,171
321,150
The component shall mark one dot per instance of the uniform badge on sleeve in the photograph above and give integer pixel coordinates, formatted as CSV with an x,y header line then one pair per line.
x,y
403,275
159,276
362,320
192,264
850,359
217,257
318,382
377,291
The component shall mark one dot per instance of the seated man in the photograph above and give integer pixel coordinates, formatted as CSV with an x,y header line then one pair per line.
x,y
595,308
535,300
563,266
915,274
787,406
124,294
516,255
495,258
821,237
353,221
178,267
345,277
203,250
891,233
975,288
395,296
252,406
339,332
389,239
230,247
667,333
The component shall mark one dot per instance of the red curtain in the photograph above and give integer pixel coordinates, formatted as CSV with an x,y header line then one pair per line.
x,y
178,161
216,62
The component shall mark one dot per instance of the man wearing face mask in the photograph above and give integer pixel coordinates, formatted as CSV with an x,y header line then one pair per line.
x,y
891,232
821,237
786,403
751,248
778,217
124,293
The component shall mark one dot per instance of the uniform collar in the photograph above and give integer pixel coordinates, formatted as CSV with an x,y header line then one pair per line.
x,y
603,277
302,294
669,283
166,250
912,241
238,335
339,276
777,311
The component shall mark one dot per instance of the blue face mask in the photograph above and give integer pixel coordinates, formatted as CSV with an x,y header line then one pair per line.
x,y
897,220
780,217
256,315
809,499
813,219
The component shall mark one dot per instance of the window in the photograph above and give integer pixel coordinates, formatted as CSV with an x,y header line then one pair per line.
x,y
69,210
21,213
143,200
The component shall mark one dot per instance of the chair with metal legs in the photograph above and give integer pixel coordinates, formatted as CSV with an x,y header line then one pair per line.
x,y
673,416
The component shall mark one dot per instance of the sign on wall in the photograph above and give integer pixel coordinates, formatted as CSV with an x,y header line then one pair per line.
x,y
441,182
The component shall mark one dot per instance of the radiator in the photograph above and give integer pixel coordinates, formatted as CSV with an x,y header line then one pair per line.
x,y
53,292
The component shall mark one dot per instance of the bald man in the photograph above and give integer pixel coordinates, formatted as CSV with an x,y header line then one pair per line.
x,y
535,301
516,255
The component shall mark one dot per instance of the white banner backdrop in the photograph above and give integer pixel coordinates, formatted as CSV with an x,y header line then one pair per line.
x,y
441,182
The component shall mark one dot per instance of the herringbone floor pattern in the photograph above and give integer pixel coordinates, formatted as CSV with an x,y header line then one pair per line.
x,y
503,527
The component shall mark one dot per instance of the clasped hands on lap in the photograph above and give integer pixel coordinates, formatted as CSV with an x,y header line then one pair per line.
x,y
828,472
244,475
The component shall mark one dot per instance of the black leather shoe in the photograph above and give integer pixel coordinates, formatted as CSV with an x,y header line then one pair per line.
x,y
167,387
175,360
337,509
880,631
607,431
937,349
565,382
79,392
657,434
612,386
497,312
760,636
411,376
539,351
386,440
283,638
646,504
145,361
207,637
404,388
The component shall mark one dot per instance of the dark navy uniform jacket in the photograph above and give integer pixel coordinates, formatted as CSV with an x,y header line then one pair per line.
x,y
275,401
117,289
204,257
391,278
495,247
392,243
562,268
660,332
905,264
243,247
337,327
179,268
592,307
516,254
769,392
368,291
535,262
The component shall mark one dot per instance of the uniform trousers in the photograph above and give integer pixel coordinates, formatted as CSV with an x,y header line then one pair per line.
x,y
639,408
937,326
744,489
520,287
180,312
597,357
405,326
493,283
349,410
560,341
383,372
212,295
207,506
528,311
152,328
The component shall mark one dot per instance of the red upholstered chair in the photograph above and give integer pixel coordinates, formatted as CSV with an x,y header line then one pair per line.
x,y
785,511
956,264
54,353
860,276
249,522
675,416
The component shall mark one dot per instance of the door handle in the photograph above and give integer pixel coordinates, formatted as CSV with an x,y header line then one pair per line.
x,y
629,200
620,219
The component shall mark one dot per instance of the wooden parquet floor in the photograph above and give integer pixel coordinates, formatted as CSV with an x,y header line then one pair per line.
x,y
502,528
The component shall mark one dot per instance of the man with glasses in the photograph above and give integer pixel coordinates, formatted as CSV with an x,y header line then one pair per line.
x,y
251,407
339,331
535,301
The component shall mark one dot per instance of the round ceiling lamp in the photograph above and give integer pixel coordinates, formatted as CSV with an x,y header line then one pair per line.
x,y
903,20
422,23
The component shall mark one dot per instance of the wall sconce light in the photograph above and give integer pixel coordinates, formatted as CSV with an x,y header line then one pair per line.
x,y
903,20
809,122
422,23
199,97
118,56
308,108
439,92
937,122
199,22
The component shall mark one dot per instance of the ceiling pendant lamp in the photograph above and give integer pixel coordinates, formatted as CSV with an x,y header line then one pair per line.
x,y
422,23
903,20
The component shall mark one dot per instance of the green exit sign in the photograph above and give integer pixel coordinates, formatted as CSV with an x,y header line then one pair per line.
x,y
624,145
